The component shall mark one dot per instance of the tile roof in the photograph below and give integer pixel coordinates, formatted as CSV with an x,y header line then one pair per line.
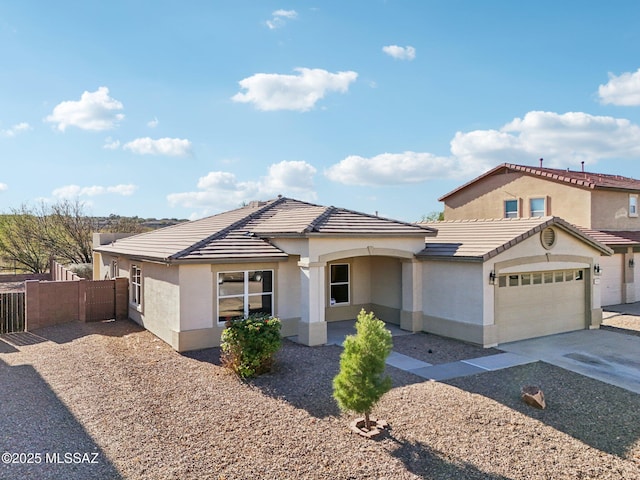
x,y
483,239
578,178
614,238
244,233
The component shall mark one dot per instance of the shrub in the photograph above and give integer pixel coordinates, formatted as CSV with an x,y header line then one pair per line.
x,y
360,382
249,345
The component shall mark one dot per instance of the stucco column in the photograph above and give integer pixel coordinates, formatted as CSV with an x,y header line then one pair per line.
x,y
411,313
312,329
628,286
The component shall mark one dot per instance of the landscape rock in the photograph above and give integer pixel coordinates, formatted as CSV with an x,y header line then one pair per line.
x,y
533,396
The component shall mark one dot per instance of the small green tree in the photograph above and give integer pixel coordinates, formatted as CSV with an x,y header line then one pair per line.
x,y
361,381
433,217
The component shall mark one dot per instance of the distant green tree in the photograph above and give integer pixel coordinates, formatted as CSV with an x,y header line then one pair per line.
x,y
119,224
433,217
31,236
71,234
361,381
21,241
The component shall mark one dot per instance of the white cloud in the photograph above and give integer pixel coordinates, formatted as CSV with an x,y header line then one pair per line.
x,y
173,147
400,53
15,129
563,140
279,18
392,169
622,90
4,187
75,191
153,123
111,144
271,91
222,190
94,111
126,190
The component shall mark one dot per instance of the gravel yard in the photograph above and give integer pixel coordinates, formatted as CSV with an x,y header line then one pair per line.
x,y
630,324
146,412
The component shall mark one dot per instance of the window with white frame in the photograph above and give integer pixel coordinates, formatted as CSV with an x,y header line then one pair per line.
x,y
244,293
511,209
537,207
633,205
339,284
136,285
113,269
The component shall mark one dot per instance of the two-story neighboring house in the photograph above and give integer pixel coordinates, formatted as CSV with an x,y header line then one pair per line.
x,y
603,206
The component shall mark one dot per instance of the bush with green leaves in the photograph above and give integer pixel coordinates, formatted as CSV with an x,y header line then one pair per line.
x,y
249,345
361,381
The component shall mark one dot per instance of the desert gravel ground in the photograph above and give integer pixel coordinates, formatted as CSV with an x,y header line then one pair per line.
x,y
629,324
148,412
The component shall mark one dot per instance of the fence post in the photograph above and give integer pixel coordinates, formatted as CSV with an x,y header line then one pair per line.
x,y
122,298
31,305
82,300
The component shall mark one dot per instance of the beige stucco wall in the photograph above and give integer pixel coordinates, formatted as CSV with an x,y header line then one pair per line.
x,y
485,199
288,305
197,309
453,290
610,211
322,249
376,285
99,266
386,282
160,309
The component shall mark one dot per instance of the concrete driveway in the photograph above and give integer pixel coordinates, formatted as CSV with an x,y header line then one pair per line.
x,y
607,356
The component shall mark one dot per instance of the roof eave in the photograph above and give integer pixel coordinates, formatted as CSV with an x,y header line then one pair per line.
x,y
451,258
423,234
228,260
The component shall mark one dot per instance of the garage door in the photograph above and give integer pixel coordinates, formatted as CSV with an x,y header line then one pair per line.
x,y
533,304
611,279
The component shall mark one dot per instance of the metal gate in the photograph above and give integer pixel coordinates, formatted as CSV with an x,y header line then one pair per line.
x,y
12,312
101,304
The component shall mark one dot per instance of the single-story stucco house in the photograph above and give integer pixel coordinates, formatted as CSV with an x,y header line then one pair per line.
x,y
309,265
305,263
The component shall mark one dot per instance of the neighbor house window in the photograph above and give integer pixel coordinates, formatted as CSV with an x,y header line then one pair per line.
x,y
339,284
633,205
136,285
511,209
536,207
244,293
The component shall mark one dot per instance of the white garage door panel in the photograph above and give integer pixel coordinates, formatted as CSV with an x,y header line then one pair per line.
x,y
528,311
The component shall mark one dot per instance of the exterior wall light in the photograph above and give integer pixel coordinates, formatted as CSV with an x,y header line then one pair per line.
x,y
492,277
596,269
632,263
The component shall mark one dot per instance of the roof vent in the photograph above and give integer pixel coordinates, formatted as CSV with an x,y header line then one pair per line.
x,y
548,237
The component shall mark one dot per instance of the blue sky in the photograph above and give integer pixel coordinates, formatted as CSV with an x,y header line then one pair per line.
x,y
186,109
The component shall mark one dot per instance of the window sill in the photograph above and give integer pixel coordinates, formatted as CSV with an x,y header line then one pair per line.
x,y
136,307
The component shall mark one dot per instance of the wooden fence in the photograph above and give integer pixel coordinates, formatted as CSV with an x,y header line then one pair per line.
x,y
52,303
61,273
12,312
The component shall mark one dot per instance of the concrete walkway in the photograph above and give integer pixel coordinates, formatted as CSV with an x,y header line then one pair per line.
x,y
610,357
337,331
